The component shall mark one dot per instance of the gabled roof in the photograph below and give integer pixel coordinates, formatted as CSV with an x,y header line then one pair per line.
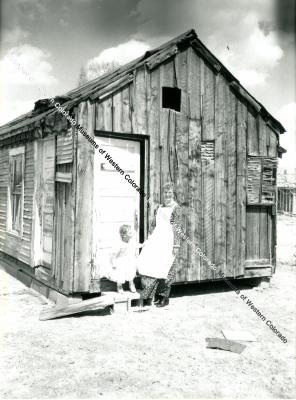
x,y
102,86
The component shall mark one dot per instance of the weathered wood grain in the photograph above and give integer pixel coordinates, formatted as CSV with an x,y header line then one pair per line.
x,y
194,166
84,205
231,209
252,135
220,172
182,148
241,163
208,103
97,303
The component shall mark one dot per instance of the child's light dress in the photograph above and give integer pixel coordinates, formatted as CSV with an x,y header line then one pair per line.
x,y
156,257
123,262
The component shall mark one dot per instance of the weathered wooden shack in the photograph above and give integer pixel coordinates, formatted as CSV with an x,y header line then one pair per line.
x,y
176,113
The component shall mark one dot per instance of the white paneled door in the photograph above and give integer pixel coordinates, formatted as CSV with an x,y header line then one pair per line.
x,y
116,201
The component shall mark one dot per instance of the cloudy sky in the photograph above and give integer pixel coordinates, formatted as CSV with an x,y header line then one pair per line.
x,y
44,43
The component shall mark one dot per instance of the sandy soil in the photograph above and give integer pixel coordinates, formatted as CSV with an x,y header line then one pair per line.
x,y
160,353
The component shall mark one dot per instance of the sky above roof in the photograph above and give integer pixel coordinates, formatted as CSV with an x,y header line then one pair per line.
x,y
46,42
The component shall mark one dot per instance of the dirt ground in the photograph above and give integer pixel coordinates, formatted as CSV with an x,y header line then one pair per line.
x,y
160,353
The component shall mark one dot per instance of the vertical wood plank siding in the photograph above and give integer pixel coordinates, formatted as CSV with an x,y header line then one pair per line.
x,y
83,216
211,192
194,165
211,189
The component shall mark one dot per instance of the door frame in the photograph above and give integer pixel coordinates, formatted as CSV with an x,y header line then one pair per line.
x,y
143,140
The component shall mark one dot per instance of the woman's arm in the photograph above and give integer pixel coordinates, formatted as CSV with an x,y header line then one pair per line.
x,y
153,223
176,221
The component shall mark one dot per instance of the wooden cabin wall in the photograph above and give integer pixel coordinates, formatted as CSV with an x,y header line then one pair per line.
x,y
17,247
203,149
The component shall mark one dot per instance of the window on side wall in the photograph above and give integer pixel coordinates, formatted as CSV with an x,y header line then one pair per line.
x,y
16,190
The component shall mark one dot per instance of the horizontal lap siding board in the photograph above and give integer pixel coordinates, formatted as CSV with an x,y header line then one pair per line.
x,y
220,171
208,168
182,148
241,186
64,152
3,194
194,164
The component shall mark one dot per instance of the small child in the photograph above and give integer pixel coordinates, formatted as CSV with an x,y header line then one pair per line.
x,y
123,260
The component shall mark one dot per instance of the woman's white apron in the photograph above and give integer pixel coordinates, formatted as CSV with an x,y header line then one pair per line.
x,y
156,257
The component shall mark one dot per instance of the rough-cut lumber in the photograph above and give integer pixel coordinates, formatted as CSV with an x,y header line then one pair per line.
x,y
220,186
224,344
253,142
97,303
241,186
231,209
83,217
182,145
194,164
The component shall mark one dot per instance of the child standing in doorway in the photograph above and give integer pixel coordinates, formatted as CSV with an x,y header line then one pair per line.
x,y
123,260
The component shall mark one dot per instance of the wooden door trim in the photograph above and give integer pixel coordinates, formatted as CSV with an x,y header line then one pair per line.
x,y
144,167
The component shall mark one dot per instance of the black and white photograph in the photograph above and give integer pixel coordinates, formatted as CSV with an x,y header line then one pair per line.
x,y
147,199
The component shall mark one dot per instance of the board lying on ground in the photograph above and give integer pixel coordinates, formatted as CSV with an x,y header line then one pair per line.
x,y
97,303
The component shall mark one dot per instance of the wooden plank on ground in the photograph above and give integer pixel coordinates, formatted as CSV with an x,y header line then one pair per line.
x,y
97,303
224,344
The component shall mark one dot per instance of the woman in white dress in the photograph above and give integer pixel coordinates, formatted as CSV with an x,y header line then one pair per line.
x,y
156,262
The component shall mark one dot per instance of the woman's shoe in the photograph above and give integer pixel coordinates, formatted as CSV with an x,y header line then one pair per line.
x,y
157,299
164,302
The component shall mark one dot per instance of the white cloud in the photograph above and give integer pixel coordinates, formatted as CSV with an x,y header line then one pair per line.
x,y
287,116
27,77
111,58
123,53
251,58
26,65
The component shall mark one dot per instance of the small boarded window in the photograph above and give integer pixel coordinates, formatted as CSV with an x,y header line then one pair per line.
x,y
15,189
171,98
207,150
261,180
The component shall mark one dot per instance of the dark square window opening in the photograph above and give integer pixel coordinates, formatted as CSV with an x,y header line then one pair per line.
x,y
171,98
